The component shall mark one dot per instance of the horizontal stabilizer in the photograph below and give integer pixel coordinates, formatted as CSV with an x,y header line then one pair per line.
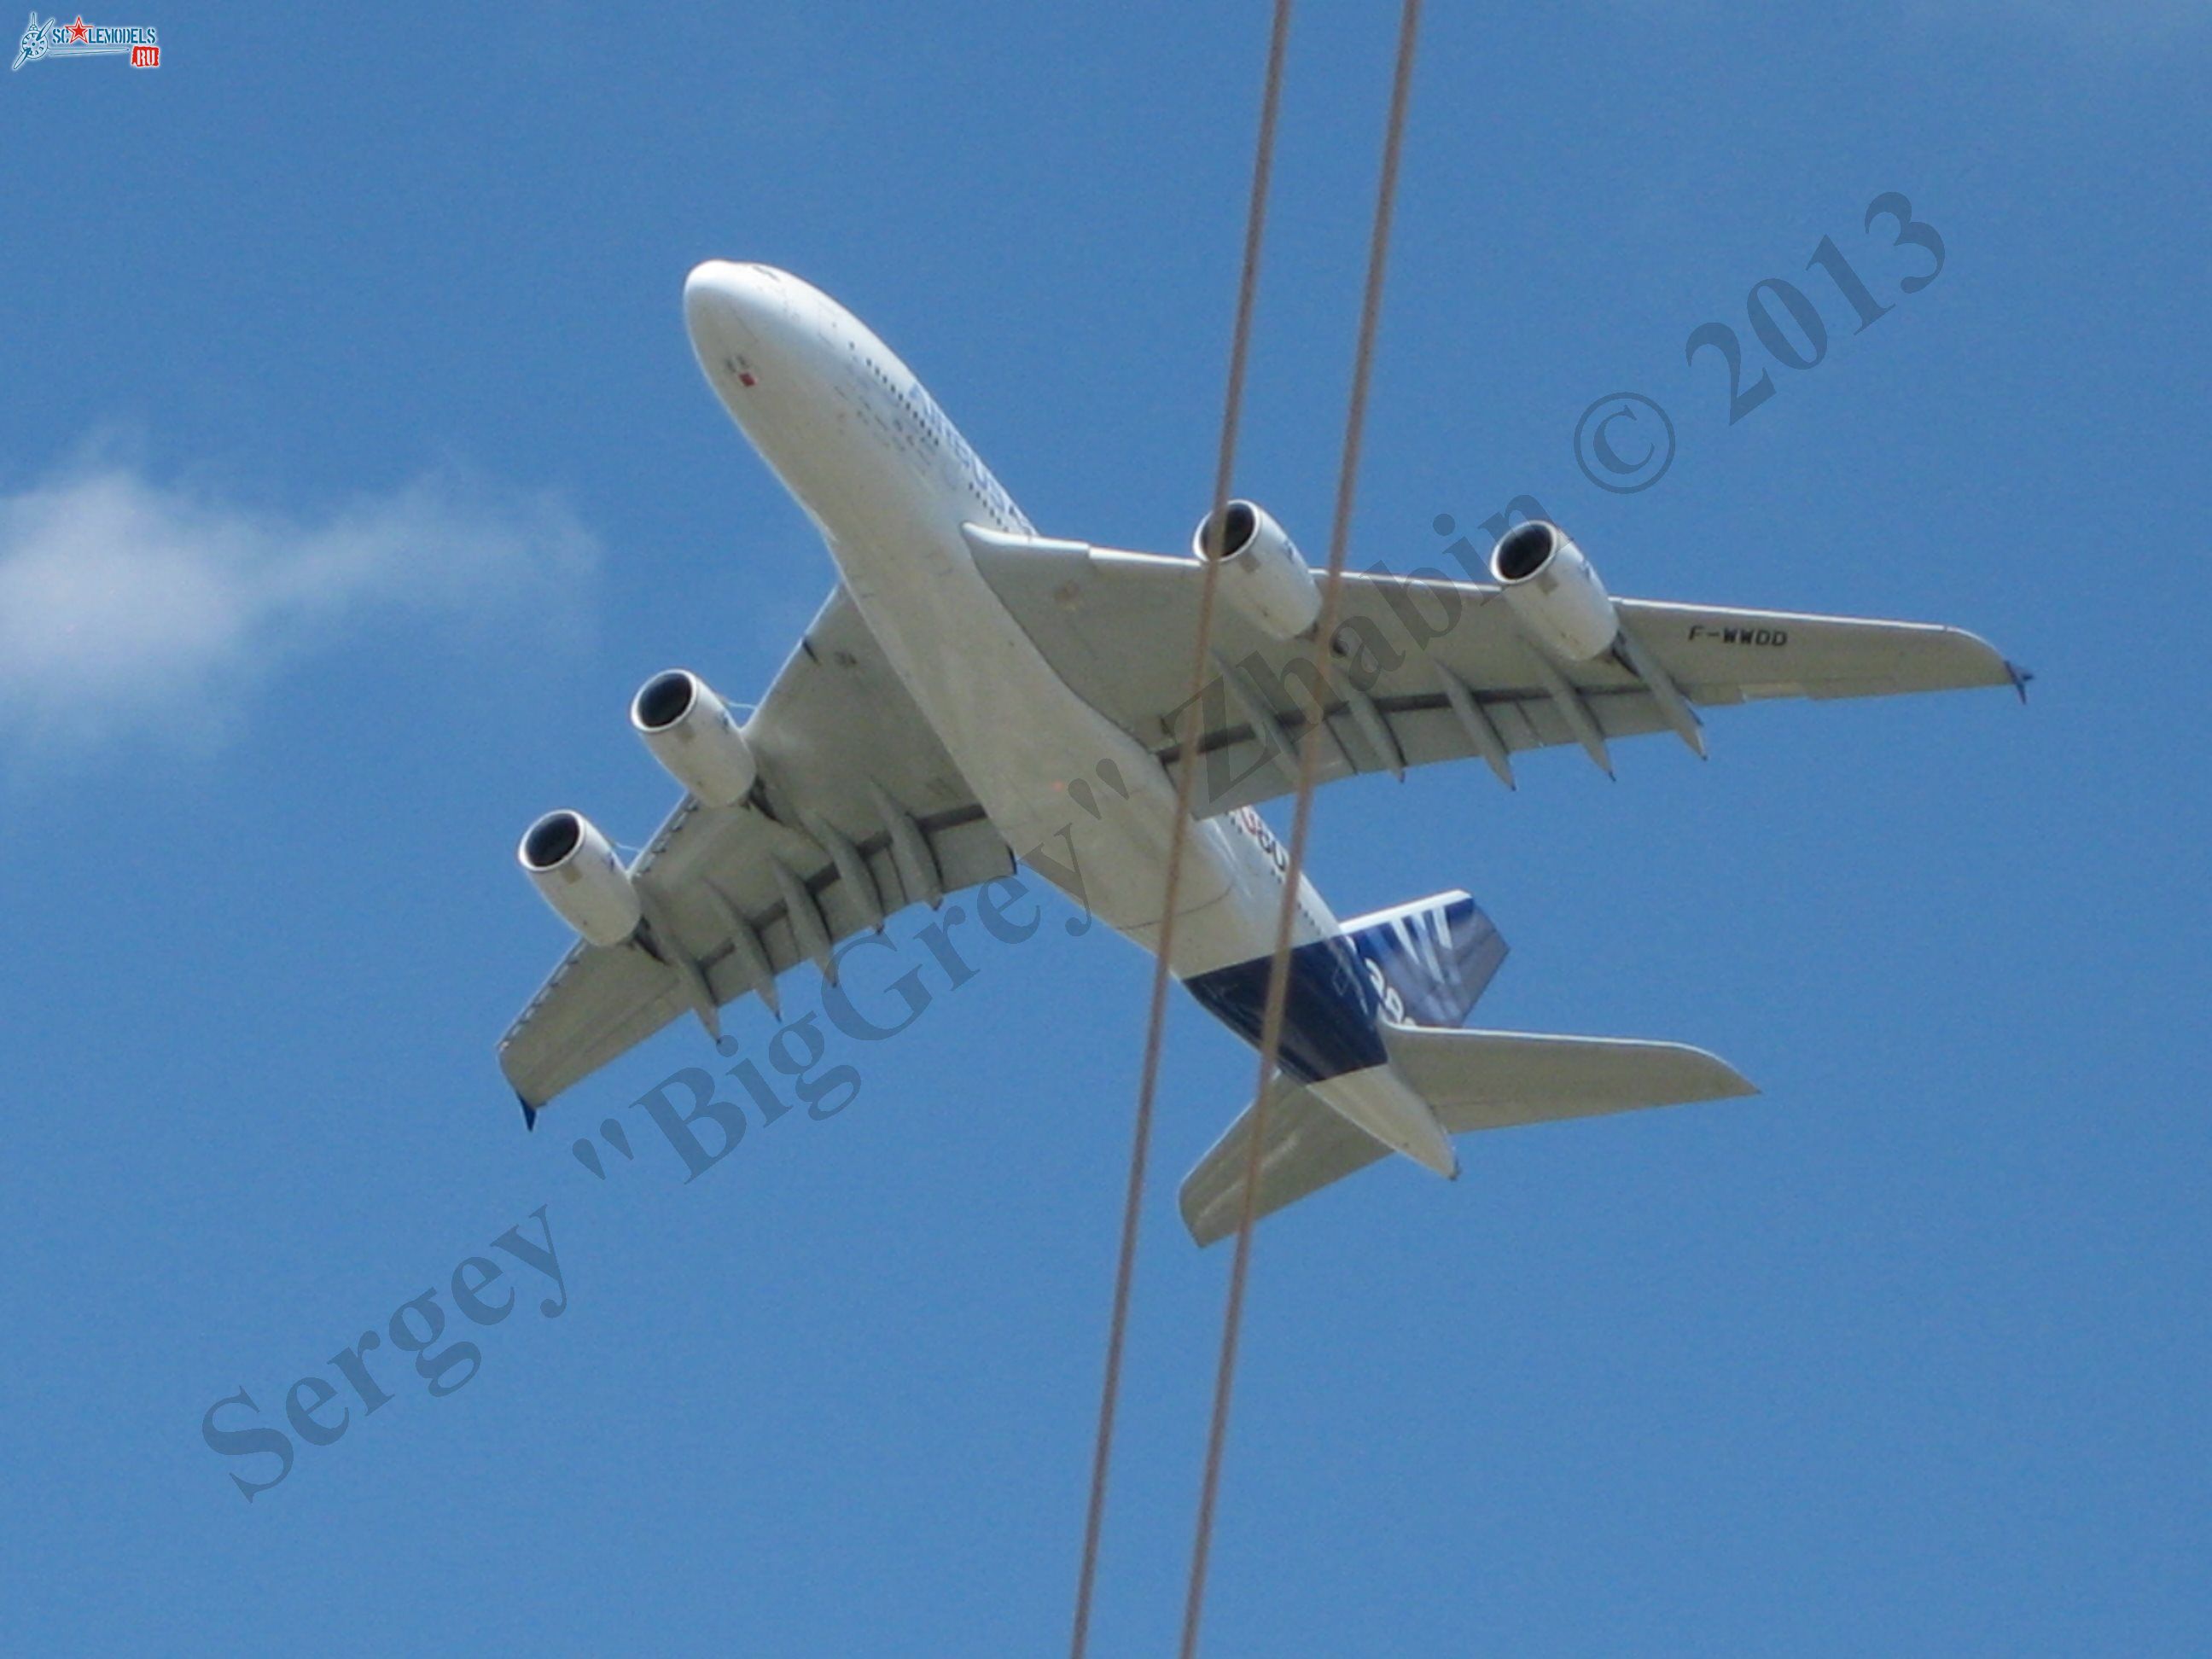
x,y
1473,1080
1495,1079
1305,1145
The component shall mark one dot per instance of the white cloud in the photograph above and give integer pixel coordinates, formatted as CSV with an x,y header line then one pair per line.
x,y
127,604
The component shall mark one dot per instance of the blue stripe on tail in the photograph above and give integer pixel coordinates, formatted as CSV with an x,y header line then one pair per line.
x,y
1423,964
1329,1009
1435,958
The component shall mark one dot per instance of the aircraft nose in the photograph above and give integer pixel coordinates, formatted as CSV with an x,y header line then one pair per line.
x,y
729,304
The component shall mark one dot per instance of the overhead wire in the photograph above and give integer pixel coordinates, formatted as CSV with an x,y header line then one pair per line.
x,y
1188,736
1308,748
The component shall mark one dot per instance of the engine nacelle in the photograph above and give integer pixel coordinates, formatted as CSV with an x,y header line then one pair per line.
x,y
1262,574
576,870
1554,591
691,732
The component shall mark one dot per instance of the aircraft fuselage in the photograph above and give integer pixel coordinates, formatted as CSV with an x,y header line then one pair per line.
x,y
891,485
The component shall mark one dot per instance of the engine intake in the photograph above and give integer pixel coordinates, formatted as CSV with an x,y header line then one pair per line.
x,y
1553,590
576,870
691,732
1262,574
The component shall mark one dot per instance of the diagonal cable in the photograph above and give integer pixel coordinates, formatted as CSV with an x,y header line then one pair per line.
x,y
1186,750
1271,1028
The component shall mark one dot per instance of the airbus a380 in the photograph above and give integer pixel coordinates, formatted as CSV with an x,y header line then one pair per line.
x,y
971,687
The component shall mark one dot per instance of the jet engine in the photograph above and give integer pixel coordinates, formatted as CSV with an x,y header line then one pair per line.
x,y
1262,575
1554,591
577,872
691,732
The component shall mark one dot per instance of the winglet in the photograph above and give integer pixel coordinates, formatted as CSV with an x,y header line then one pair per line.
x,y
2020,676
529,1112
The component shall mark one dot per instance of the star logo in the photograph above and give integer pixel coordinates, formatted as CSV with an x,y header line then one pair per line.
x,y
78,33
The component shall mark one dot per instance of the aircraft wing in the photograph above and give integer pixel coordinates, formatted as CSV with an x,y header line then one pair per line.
x,y
859,812
1437,669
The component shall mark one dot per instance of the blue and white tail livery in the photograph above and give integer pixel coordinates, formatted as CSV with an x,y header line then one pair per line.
x,y
1429,961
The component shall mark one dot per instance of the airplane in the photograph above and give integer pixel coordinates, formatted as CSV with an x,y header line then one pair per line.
x,y
971,687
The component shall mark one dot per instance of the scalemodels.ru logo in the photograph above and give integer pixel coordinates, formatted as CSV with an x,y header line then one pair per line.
x,y
55,39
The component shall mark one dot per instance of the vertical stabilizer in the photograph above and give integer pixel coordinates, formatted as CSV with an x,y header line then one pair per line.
x,y
1433,958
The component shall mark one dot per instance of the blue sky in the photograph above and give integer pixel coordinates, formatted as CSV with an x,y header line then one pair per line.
x,y
354,469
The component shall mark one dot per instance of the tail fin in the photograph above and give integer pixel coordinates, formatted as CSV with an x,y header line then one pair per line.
x,y
1472,1081
1435,955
